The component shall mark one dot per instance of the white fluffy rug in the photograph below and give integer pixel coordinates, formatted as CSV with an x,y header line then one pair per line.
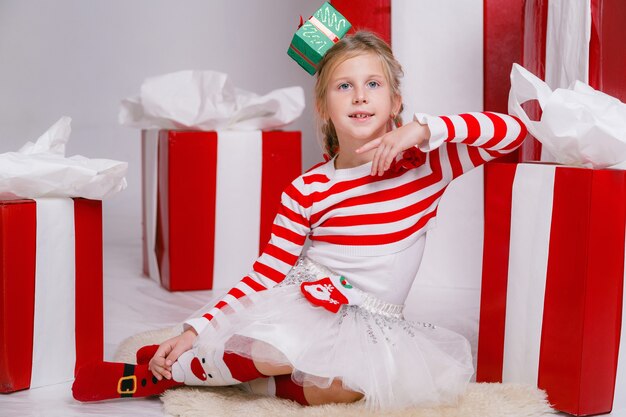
x,y
480,400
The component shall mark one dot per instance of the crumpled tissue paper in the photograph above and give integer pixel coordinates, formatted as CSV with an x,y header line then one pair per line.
x,y
579,126
207,100
41,169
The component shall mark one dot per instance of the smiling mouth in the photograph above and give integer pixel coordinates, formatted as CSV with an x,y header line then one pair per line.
x,y
361,115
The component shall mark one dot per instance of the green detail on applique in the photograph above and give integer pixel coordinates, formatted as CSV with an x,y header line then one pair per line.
x,y
345,283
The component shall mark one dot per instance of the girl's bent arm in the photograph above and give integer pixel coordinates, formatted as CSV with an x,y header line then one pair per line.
x,y
471,139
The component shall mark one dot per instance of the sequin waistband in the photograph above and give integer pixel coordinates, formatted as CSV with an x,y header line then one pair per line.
x,y
370,303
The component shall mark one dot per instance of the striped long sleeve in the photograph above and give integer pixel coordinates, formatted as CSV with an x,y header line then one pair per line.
x,y
471,139
288,234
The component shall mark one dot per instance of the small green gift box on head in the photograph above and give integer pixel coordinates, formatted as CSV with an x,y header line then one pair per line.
x,y
316,36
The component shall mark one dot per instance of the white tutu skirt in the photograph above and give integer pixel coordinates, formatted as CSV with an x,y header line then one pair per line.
x,y
394,362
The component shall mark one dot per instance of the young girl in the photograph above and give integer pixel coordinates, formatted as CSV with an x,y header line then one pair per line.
x,y
326,325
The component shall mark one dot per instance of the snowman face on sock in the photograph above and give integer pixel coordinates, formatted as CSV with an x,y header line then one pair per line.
x,y
204,368
197,369
190,369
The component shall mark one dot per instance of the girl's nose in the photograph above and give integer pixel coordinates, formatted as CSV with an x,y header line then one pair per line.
x,y
359,96
359,99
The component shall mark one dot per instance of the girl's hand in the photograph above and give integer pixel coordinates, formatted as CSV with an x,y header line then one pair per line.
x,y
392,143
168,352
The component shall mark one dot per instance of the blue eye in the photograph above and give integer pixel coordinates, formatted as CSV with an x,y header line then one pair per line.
x,y
344,86
373,84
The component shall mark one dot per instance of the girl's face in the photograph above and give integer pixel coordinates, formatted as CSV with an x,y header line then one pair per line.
x,y
359,101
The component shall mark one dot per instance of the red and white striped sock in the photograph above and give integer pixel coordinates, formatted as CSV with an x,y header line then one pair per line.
x,y
241,368
287,388
281,386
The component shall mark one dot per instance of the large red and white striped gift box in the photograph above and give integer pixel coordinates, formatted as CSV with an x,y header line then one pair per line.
x,y
51,317
209,201
553,282
564,41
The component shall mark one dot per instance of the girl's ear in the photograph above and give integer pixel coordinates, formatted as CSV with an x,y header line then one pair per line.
x,y
396,104
321,112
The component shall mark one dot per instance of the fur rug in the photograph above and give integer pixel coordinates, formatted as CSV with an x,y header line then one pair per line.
x,y
480,400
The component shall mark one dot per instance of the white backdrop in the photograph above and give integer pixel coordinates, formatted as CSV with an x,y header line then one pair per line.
x,y
80,58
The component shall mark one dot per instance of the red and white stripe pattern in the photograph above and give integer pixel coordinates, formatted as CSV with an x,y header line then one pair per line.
x,y
553,276
205,188
51,279
364,215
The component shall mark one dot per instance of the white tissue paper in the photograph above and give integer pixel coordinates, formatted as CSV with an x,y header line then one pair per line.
x,y
41,169
579,126
207,100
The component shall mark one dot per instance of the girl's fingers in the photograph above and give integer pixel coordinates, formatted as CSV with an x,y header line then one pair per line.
x,y
157,374
379,162
157,361
391,155
373,163
161,372
175,353
374,168
157,364
382,163
385,153
369,145
163,350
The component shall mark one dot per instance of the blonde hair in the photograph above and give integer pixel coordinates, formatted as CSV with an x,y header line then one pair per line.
x,y
361,42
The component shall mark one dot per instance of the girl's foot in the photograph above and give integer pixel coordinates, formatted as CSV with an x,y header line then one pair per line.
x,y
107,380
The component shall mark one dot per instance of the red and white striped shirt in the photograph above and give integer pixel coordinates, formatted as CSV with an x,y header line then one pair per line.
x,y
354,213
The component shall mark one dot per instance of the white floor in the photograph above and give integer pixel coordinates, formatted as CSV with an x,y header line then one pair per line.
x,y
134,303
